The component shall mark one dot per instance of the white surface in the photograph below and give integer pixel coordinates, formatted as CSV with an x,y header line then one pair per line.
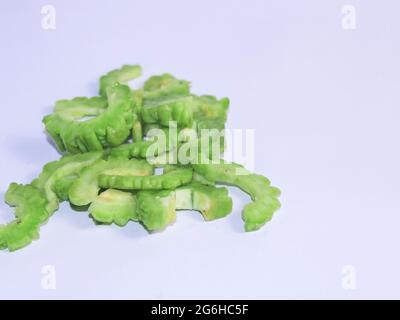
x,y
325,106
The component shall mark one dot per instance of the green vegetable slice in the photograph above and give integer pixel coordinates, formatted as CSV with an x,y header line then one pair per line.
x,y
85,190
199,178
265,198
58,176
213,203
61,186
209,107
114,206
165,109
166,99
156,209
31,213
111,127
131,150
170,180
122,75
137,128
165,85
211,114
81,107
154,146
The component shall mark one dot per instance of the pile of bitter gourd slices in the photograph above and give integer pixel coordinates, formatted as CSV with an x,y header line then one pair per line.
x,y
114,146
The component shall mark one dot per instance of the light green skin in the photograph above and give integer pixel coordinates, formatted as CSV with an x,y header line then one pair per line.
x,y
149,150
122,75
86,189
156,209
165,149
148,127
199,178
154,146
137,128
132,150
181,152
213,203
114,206
166,109
170,180
265,198
207,108
72,111
61,187
166,99
210,114
165,85
81,107
30,212
111,126
57,177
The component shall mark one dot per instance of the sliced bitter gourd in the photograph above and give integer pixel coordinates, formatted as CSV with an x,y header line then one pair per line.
x,y
114,206
57,177
209,111
122,75
86,188
158,142
131,150
156,209
211,114
30,212
81,107
61,187
164,110
166,99
111,127
165,85
213,203
170,180
264,196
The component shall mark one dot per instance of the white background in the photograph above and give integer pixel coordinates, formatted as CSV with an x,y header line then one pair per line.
x,y
324,102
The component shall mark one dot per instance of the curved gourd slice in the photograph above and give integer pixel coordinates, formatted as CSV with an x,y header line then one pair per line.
x,y
110,127
156,209
114,206
30,212
213,203
57,177
265,198
170,180
122,75
85,190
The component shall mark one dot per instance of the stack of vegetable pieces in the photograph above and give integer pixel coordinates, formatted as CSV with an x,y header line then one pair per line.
x,y
107,169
